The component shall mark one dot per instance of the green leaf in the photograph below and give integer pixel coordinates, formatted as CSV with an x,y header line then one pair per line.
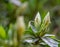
x,y
2,32
31,24
50,35
32,28
50,42
29,32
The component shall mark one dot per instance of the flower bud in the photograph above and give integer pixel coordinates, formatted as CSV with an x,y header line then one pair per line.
x,y
46,20
20,26
37,20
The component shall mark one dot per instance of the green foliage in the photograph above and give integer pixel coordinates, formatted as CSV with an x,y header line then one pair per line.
x,y
36,33
2,32
40,37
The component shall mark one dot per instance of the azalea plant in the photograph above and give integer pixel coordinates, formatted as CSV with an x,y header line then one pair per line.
x,y
37,32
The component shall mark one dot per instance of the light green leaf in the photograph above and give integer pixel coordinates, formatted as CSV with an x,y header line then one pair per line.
x,y
2,32
50,36
32,27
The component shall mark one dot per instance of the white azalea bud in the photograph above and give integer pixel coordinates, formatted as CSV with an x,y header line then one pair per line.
x,y
37,20
20,26
46,20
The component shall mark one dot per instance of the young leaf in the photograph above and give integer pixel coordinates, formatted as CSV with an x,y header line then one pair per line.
x,y
49,35
32,27
2,32
37,20
46,20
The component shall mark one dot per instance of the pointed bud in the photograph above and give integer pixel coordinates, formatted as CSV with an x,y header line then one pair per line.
x,y
37,20
20,26
46,20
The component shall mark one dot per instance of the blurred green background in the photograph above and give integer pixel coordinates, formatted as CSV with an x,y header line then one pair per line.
x,y
10,9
